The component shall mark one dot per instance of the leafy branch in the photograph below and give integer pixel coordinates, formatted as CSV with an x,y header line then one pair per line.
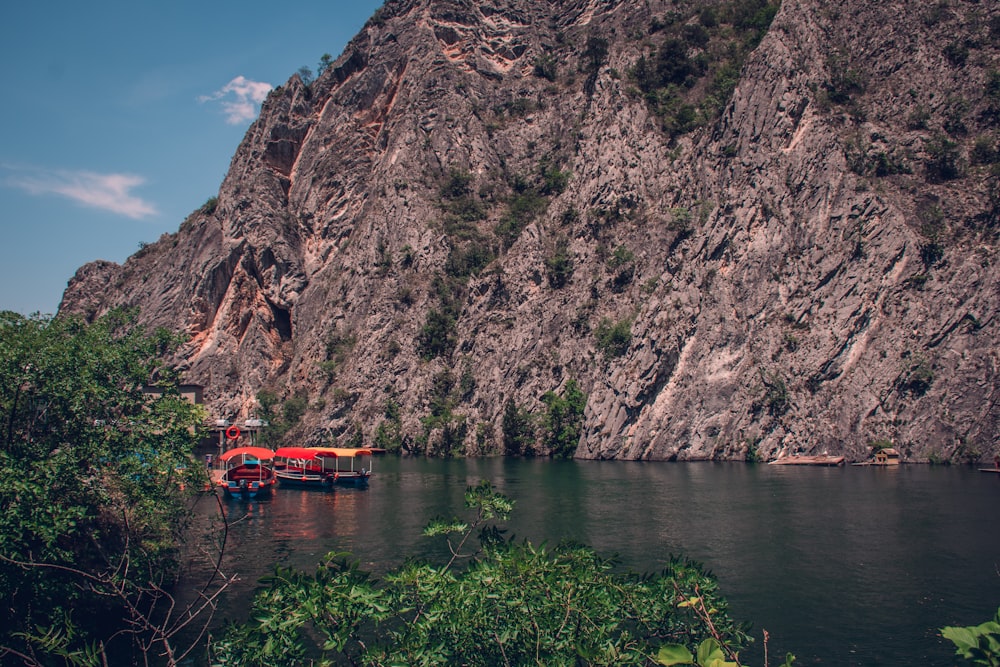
x,y
154,623
488,504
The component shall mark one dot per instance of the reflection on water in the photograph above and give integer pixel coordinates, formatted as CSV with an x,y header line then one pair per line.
x,y
842,566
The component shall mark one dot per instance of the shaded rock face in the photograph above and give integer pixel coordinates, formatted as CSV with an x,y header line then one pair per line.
x,y
477,203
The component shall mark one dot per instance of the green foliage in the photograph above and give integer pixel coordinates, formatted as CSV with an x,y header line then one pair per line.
x,y
281,416
546,67
444,433
530,198
620,257
776,397
438,335
613,338
554,181
709,654
917,375
441,399
559,265
980,644
456,185
713,48
595,53
957,53
931,252
845,82
523,207
466,381
622,262
91,477
511,604
468,260
944,161
462,206
563,420
865,161
991,91
383,258
208,208
468,252
955,113
389,432
407,256
519,107
518,428
293,409
337,348
324,63
986,150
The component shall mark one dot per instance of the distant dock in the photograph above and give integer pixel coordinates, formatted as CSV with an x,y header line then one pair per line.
x,y
830,461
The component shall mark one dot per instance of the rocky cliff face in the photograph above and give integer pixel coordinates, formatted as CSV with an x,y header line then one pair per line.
x,y
741,237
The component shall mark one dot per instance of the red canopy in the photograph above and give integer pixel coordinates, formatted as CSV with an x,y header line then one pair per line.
x,y
260,453
304,453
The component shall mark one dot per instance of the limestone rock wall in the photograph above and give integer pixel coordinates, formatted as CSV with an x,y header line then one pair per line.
x,y
812,270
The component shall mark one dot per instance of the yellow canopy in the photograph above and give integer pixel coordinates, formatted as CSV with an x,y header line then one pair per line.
x,y
345,452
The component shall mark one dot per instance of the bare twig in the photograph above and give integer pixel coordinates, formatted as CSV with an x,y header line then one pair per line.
x,y
143,602
702,611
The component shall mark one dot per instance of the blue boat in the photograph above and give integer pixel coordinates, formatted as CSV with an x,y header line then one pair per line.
x,y
249,472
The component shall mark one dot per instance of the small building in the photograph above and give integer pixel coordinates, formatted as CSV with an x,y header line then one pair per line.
x,y
189,392
886,457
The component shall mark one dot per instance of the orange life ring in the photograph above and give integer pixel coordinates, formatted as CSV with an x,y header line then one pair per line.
x,y
233,432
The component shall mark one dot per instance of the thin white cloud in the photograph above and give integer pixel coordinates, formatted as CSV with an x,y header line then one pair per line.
x,y
240,99
109,192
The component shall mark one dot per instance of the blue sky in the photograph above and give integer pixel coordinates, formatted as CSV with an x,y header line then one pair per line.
x,y
118,118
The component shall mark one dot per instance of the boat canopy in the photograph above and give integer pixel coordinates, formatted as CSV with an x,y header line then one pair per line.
x,y
305,453
343,452
260,453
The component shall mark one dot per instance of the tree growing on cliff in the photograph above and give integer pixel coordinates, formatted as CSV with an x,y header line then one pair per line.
x,y
564,420
92,472
518,430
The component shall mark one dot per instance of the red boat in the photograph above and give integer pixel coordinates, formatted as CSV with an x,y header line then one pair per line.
x,y
249,472
306,466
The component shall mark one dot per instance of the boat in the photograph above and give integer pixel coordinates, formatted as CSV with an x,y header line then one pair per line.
x,y
350,466
313,467
248,473
996,465
821,460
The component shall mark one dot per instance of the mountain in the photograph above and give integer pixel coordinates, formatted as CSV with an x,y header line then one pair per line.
x,y
741,230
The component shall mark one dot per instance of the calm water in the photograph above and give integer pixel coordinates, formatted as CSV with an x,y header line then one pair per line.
x,y
842,566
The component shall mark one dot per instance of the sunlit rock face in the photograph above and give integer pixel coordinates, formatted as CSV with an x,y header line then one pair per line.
x,y
741,238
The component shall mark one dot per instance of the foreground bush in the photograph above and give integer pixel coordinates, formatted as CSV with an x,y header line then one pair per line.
x,y
92,472
979,644
512,604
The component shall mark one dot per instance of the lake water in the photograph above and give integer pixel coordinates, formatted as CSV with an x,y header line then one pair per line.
x,y
841,566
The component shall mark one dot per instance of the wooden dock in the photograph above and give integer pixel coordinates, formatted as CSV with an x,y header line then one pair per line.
x,y
822,460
